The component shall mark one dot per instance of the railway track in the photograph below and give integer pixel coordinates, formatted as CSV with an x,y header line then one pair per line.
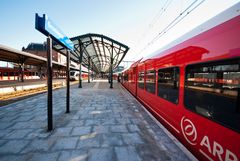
x,y
8,98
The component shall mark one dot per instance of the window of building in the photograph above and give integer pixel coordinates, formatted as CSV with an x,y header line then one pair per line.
x,y
141,80
150,81
212,90
168,84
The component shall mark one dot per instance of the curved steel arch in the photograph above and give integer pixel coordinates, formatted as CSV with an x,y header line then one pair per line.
x,y
94,49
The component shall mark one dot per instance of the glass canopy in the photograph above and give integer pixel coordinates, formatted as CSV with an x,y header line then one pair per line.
x,y
95,51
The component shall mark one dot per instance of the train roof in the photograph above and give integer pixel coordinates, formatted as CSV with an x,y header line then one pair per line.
x,y
224,16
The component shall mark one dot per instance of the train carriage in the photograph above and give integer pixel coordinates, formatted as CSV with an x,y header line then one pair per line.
x,y
193,87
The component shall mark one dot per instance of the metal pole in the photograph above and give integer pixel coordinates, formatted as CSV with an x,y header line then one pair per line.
x,y
88,69
80,75
40,72
92,74
111,67
22,71
67,82
111,74
49,83
80,66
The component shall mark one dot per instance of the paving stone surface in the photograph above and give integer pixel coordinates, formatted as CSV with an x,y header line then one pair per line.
x,y
103,125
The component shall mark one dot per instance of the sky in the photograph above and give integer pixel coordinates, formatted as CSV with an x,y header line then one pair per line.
x,y
134,23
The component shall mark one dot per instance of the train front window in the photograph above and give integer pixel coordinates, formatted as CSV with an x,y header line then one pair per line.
x,y
150,81
72,73
141,80
168,84
212,90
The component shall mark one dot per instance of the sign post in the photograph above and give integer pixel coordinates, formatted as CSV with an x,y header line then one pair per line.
x,y
48,28
68,83
49,83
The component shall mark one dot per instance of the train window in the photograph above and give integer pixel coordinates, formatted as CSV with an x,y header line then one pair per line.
x,y
11,74
168,84
150,81
130,77
125,77
212,90
5,73
141,80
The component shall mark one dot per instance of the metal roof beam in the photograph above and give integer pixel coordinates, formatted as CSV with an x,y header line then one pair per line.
x,y
94,49
115,49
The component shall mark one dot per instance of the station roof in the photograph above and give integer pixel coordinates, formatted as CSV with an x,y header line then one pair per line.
x,y
98,48
16,56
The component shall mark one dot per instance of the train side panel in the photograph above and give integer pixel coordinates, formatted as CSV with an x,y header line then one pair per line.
x,y
191,81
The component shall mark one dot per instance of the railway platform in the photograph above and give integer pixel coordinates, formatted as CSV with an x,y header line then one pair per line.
x,y
103,125
12,91
11,85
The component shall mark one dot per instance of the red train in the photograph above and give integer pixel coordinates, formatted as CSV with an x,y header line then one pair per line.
x,y
74,75
193,87
13,74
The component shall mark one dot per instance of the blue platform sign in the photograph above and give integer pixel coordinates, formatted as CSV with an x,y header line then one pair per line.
x,y
48,28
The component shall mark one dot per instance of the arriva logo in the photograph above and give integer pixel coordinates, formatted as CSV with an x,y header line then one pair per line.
x,y
209,148
189,131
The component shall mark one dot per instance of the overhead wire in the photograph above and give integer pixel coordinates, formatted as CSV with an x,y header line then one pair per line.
x,y
185,15
173,23
155,19
160,13
178,19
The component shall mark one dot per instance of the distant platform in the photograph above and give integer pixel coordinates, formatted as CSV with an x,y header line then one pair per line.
x,y
27,82
12,91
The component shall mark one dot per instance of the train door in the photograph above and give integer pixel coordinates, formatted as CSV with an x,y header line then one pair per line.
x,y
135,80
